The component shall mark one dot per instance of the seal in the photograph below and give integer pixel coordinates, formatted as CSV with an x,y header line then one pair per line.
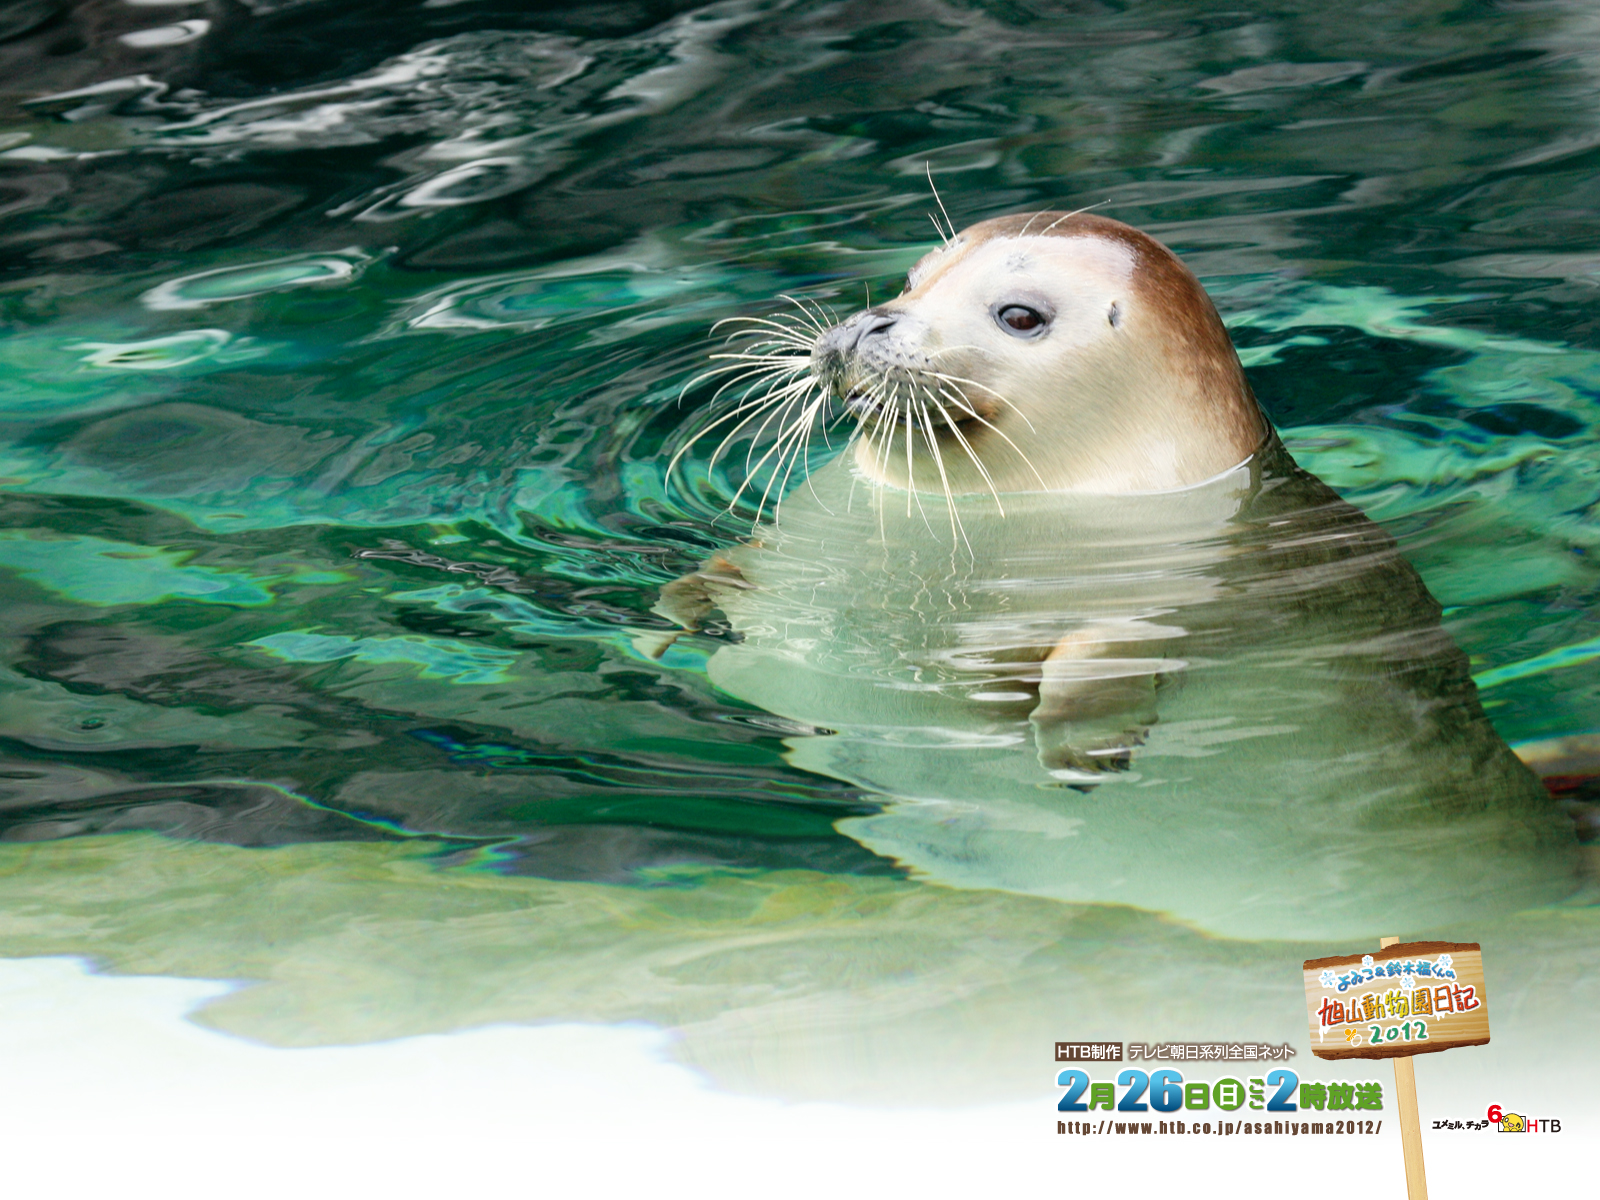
x,y
1070,607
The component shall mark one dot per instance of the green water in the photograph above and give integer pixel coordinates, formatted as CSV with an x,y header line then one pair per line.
x,y
341,350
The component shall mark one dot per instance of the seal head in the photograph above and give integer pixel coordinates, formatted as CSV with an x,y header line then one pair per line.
x,y
1044,352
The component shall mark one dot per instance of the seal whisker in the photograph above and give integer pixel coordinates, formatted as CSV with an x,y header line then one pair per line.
x,y
739,372
825,426
763,327
952,392
746,373
767,350
813,320
1073,213
1028,462
950,387
880,441
892,426
713,372
813,312
885,443
826,317
792,333
782,445
911,481
782,319
911,478
928,166
763,342
958,380
767,341
751,472
722,445
978,463
911,475
797,336
746,319
844,415
761,354
769,346
800,443
783,400
799,362
810,428
956,527
743,405
746,339
754,407
799,302
954,348
791,433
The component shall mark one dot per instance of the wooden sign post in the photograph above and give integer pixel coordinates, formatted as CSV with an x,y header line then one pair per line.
x,y
1409,998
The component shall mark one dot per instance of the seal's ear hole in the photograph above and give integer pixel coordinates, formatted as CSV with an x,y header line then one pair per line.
x,y
1115,315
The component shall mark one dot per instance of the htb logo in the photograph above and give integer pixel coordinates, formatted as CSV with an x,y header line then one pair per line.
x,y
1515,1123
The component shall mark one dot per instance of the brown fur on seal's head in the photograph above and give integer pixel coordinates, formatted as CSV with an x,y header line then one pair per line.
x,y
1044,351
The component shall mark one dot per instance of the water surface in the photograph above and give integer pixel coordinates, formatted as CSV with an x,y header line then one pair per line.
x,y
341,351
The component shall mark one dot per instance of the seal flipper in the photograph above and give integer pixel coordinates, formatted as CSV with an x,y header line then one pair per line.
x,y
1094,708
687,600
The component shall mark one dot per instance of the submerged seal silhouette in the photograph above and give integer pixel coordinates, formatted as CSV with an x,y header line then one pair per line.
x,y
1071,607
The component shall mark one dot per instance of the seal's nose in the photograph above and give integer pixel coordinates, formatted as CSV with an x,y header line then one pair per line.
x,y
846,337
877,324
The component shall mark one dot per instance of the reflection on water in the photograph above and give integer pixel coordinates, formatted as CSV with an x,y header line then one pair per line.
x,y
1253,724
340,363
785,982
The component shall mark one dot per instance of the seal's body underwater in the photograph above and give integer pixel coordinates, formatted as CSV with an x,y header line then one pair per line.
x,y
1071,605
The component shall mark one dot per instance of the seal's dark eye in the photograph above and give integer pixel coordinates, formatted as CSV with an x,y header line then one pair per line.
x,y
1020,319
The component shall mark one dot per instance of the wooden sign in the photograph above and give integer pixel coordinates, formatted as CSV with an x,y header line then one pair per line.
x,y
1408,998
